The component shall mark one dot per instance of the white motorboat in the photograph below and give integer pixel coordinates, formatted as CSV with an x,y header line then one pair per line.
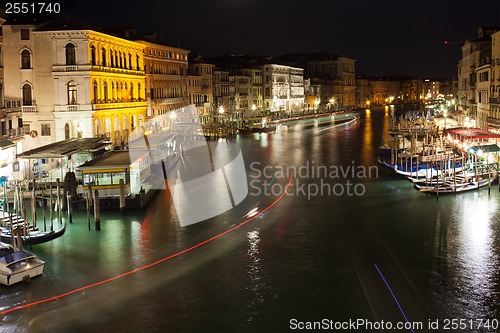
x,y
18,265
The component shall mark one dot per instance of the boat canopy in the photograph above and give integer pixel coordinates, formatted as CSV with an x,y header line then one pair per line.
x,y
14,257
463,134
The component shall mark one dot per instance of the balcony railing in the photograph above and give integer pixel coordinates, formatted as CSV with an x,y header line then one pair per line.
x,y
172,100
494,100
29,108
10,110
15,132
68,68
67,108
493,121
108,106
86,68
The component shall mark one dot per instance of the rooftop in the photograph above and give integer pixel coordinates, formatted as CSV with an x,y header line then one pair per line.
x,y
65,148
115,159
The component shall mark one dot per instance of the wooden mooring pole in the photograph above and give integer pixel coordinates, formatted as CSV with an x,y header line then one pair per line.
x,y
70,207
87,206
122,196
51,207
97,213
58,200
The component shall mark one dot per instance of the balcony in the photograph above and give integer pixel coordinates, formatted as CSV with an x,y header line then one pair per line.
x,y
172,100
15,132
87,68
493,121
70,68
109,106
67,108
494,100
29,108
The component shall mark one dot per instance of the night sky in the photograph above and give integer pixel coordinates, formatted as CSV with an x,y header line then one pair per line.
x,y
385,37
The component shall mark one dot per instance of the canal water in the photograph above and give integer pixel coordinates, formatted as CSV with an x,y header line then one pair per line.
x,y
349,240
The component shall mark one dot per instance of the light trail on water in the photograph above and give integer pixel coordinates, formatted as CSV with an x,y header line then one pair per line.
x,y
194,247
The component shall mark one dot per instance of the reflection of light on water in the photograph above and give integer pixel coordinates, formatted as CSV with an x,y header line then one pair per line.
x,y
475,246
469,251
263,140
256,274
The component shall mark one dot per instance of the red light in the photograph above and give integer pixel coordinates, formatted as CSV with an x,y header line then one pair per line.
x,y
54,298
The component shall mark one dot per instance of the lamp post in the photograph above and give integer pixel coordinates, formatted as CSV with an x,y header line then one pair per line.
x,y
316,103
332,103
254,107
221,113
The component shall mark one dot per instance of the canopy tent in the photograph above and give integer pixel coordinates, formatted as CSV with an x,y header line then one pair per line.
x,y
464,134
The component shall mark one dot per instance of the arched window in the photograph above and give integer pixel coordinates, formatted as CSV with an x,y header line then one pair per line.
x,y
111,59
27,96
139,92
137,62
121,60
105,92
93,59
70,54
129,61
72,93
132,122
95,89
25,59
97,127
66,131
103,57
131,91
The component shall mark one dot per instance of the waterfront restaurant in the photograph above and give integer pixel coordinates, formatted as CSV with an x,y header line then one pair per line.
x,y
52,161
104,173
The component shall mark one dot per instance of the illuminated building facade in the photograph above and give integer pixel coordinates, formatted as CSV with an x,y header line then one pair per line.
x,y
363,92
166,77
476,53
383,91
200,88
283,89
493,118
337,78
12,132
243,93
74,82
222,91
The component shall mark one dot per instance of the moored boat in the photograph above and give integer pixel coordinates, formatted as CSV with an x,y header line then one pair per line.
x,y
32,236
453,187
18,265
257,125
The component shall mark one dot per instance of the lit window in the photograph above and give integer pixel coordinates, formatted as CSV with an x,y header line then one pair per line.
x,y
72,93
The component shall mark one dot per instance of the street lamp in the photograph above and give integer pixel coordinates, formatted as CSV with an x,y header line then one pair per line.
x,y
445,114
316,102
254,107
332,102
